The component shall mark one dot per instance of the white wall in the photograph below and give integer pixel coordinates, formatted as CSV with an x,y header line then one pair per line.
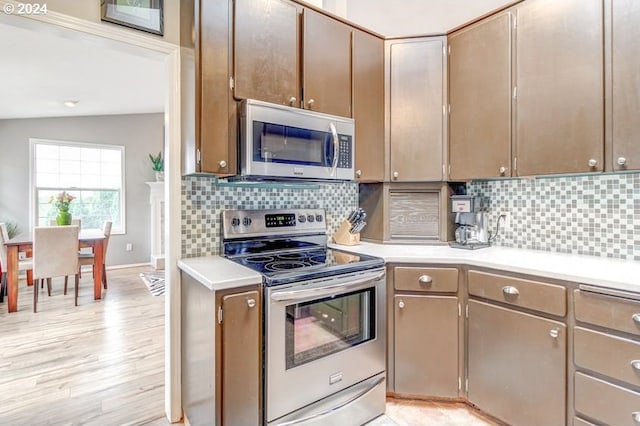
x,y
140,134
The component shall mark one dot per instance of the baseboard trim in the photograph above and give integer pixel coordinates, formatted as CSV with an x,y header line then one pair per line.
x,y
131,265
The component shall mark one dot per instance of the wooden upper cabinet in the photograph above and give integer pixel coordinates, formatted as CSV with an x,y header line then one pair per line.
x,y
266,58
368,106
559,100
416,109
480,100
215,113
625,56
326,64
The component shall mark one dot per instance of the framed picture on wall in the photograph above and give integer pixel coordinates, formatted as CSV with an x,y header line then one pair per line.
x,y
145,15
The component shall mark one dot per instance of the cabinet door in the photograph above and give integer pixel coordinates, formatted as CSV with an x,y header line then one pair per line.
x,y
480,99
241,362
266,50
215,111
559,101
416,110
517,365
625,55
426,345
326,64
368,106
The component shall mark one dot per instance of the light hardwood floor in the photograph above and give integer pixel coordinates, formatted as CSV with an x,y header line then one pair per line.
x,y
101,363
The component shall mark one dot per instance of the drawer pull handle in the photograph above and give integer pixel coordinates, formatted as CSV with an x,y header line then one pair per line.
x,y
510,290
636,416
636,318
635,364
425,279
554,332
251,303
401,304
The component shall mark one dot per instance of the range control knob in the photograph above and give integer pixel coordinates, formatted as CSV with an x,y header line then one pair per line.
x,y
318,218
235,221
302,219
310,218
246,221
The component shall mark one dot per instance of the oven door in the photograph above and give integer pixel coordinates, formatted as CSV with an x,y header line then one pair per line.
x,y
322,336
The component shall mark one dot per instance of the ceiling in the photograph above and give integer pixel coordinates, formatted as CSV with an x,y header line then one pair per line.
x,y
43,66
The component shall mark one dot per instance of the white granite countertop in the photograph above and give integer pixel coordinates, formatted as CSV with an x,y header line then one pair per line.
x,y
217,273
597,271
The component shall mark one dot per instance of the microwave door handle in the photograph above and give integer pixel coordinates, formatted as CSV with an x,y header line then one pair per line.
x,y
287,296
336,148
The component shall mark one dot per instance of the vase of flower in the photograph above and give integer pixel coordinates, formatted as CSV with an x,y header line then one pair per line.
x,y
157,165
62,202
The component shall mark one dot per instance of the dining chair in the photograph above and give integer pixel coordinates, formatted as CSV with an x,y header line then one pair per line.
x,y
55,254
88,258
23,265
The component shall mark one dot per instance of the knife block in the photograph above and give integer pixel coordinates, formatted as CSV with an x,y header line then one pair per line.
x,y
342,235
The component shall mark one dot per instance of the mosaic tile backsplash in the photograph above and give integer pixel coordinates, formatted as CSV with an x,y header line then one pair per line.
x,y
203,202
596,215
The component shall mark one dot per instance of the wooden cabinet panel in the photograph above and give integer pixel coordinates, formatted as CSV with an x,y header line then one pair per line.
x,y
266,60
606,354
368,106
528,294
241,361
436,280
416,115
517,369
480,100
616,313
423,323
215,108
625,56
559,101
326,64
605,402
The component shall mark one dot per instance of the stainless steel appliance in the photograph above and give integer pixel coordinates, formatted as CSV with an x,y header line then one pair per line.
x,y
471,224
281,141
324,318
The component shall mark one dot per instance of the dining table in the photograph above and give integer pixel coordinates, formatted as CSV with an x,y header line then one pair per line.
x,y
93,238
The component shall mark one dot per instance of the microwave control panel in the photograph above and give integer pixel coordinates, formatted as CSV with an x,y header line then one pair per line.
x,y
345,152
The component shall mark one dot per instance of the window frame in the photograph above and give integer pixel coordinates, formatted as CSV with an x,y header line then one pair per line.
x,y
33,199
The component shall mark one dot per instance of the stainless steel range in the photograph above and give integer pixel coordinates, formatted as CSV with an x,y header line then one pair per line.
x,y
324,318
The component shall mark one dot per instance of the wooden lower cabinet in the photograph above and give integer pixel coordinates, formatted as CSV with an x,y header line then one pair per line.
x,y
517,365
426,345
605,402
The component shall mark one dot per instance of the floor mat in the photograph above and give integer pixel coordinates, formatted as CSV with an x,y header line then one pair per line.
x,y
154,282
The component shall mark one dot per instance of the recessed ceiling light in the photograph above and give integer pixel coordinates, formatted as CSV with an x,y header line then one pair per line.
x,y
70,103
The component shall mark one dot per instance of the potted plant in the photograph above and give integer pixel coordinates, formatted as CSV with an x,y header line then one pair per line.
x,y
157,164
62,202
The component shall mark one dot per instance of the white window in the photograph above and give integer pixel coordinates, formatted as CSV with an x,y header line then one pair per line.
x,y
92,173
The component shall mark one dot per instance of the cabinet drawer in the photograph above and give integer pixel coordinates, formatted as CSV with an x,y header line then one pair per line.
x,y
608,403
437,280
534,295
608,311
609,355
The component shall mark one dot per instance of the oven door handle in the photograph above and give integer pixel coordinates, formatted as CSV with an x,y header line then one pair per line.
x,y
287,296
337,407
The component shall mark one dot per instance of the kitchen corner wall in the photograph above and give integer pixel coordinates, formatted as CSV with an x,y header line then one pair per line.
x,y
597,215
203,201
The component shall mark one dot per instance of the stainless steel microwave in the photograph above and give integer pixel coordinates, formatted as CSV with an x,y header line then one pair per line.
x,y
283,142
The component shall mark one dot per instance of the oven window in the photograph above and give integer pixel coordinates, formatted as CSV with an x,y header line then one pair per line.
x,y
274,143
325,326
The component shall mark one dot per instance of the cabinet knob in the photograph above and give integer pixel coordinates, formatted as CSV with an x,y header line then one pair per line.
x,y
251,303
358,173
401,304
502,170
425,279
636,416
636,318
222,164
635,364
395,175
554,332
593,162
621,161
510,290
292,100
311,102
